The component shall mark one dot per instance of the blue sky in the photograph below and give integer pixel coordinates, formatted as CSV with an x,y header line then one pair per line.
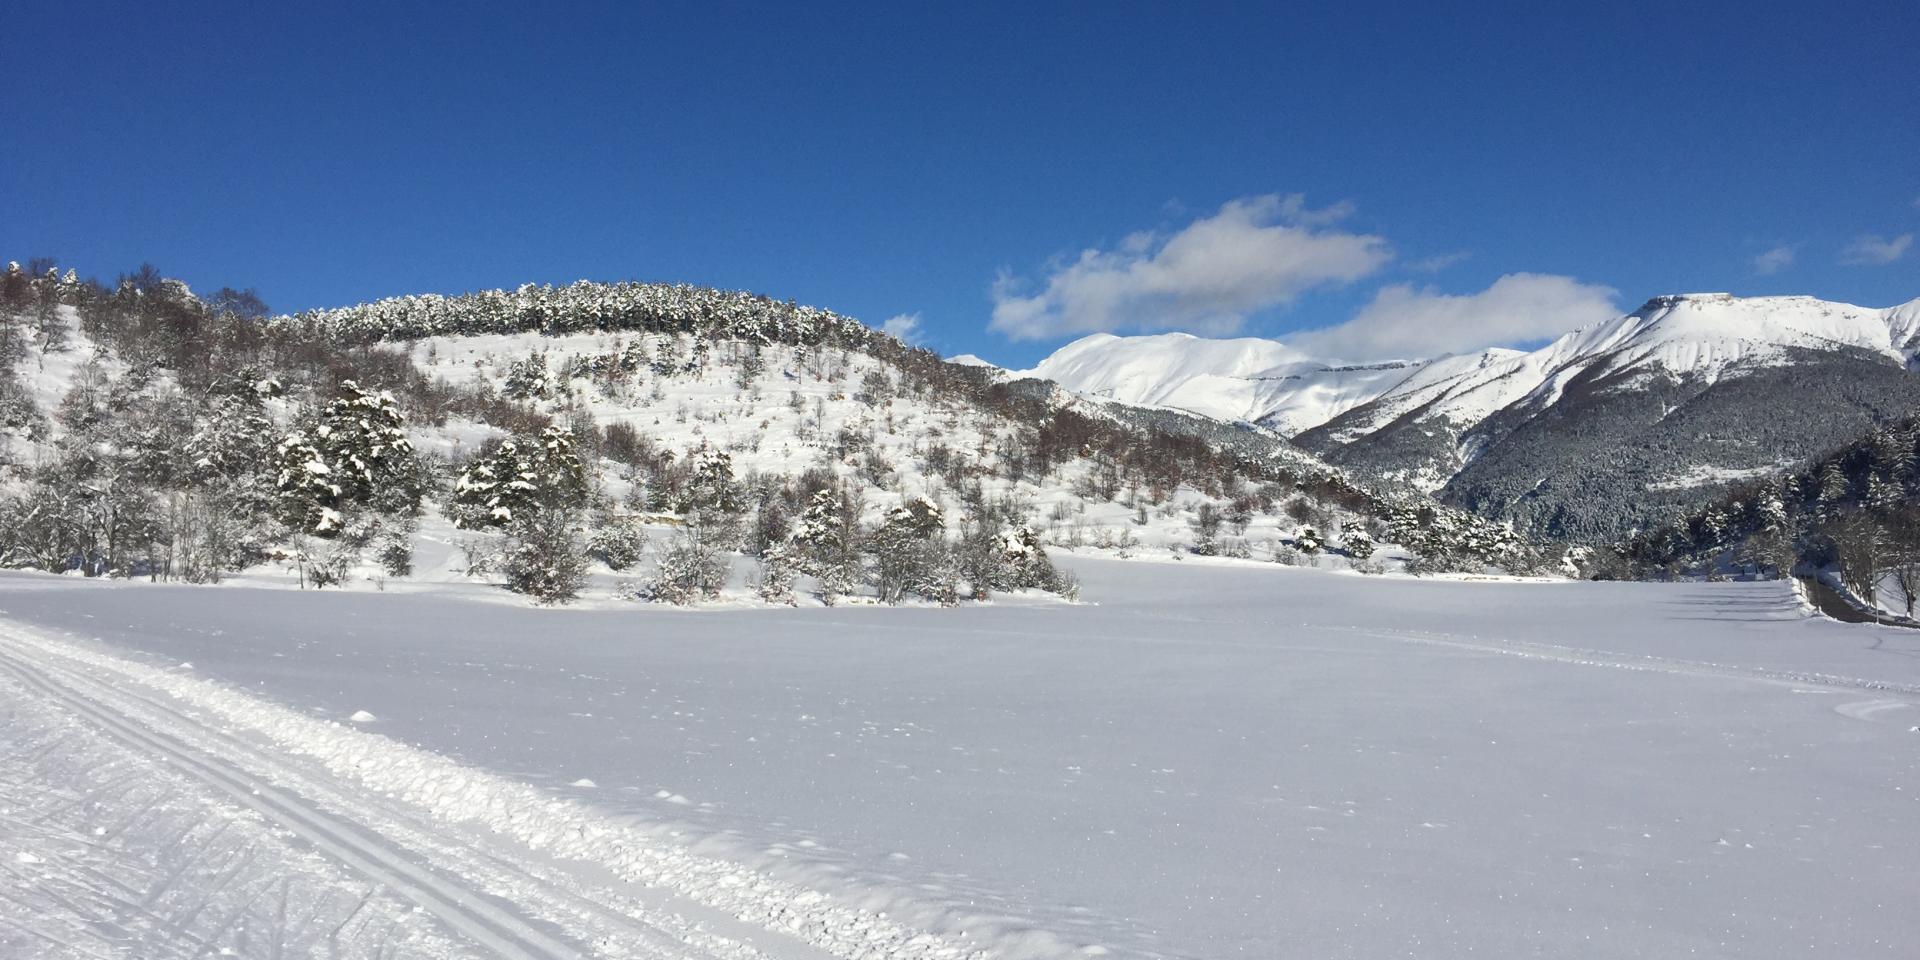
x,y
1400,177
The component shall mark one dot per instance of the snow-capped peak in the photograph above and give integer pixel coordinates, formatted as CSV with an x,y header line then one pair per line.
x,y
1268,382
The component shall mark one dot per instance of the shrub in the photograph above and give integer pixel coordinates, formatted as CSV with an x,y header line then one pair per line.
x,y
691,570
543,557
619,544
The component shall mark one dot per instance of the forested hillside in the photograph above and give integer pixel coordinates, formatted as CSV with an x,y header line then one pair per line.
x,y
664,442
1853,514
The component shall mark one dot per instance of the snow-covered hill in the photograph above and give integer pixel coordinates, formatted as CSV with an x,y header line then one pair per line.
x,y
1428,421
757,443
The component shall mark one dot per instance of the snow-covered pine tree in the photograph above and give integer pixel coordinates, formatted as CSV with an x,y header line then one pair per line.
x,y
911,555
771,525
534,488
1024,562
520,476
776,576
356,457
618,542
1206,523
1308,541
823,544
544,558
309,494
350,479
713,499
228,491
1355,540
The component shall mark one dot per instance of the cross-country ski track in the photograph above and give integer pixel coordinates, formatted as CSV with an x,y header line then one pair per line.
x,y
515,904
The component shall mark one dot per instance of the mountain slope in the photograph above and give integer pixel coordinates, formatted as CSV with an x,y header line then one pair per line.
x,y
1577,438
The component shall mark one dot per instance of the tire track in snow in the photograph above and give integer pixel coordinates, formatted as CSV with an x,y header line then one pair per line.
x,y
486,924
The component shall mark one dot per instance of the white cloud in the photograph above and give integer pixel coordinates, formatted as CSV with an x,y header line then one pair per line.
x,y
1773,261
1439,263
904,327
1255,253
1404,322
1871,250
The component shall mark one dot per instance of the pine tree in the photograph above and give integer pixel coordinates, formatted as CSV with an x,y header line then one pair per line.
x,y
309,494
1308,541
1833,485
618,543
776,576
228,498
1355,540
544,559
1024,562
713,501
1206,529
823,543
911,555
519,477
357,456
712,487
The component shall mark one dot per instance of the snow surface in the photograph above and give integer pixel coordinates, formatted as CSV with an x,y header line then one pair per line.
x,y
1205,760
1266,382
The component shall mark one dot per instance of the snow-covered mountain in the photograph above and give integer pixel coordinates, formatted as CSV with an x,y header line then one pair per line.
x,y
1434,422
1247,379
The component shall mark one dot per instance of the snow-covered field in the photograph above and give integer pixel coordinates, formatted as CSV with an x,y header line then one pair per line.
x,y
1205,759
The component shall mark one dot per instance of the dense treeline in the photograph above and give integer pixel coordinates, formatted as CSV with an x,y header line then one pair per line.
x,y
160,449
584,307
1854,512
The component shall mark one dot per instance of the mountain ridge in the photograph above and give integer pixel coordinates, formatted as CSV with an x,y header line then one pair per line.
x,y
1431,422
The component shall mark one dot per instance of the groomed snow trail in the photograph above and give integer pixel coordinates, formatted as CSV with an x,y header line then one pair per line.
x,y
497,929
111,851
488,898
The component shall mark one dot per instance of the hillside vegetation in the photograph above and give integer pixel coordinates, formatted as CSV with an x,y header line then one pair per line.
x,y
650,441
1851,515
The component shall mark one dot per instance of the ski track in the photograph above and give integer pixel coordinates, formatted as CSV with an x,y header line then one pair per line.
x,y
490,926
107,852
1870,710
1639,663
512,904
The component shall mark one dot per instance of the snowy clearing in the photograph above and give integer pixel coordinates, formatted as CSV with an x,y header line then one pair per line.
x,y
1205,760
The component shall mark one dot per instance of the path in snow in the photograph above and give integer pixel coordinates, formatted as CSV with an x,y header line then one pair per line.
x,y
113,846
484,898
